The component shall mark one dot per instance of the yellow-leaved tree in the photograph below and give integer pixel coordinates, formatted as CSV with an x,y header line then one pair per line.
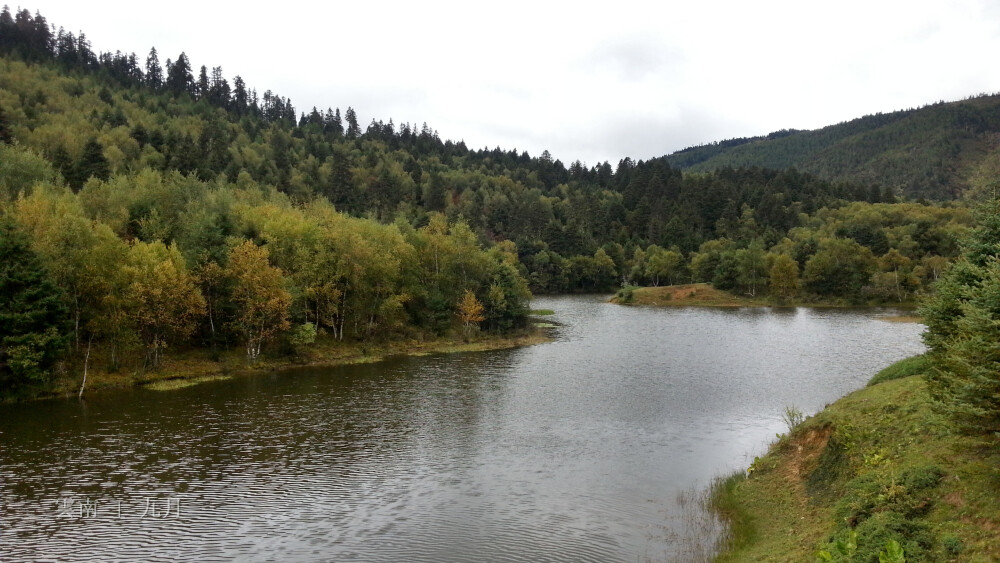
x,y
470,311
163,296
260,297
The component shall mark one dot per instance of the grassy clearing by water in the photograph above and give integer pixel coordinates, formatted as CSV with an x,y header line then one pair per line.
x,y
171,384
696,294
704,295
878,462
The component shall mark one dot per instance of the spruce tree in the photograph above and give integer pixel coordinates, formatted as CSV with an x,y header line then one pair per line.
x,y
179,79
963,329
154,72
92,164
5,137
353,129
33,316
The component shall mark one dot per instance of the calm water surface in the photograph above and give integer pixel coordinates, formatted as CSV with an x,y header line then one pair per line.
x,y
573,450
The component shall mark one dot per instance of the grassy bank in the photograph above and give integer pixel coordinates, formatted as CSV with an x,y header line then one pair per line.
x,y
688,295
876,466
704,295
191,367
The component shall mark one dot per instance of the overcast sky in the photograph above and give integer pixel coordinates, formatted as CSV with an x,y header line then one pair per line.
x,y
592,81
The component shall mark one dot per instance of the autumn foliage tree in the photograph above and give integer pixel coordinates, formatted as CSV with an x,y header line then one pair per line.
x,y
259,295
163,296
470,312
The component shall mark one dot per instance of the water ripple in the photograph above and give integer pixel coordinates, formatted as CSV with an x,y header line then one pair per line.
x,y
571,451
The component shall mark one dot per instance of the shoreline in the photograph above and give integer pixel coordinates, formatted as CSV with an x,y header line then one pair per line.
x,y
196,366
877,465
704,295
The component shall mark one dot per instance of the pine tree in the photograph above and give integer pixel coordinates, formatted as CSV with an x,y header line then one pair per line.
x,y
335,125
179,79
353,129
202,87
92,164
241,100
5,137
33,317
963,329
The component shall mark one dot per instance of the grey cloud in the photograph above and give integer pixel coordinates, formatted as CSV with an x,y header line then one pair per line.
x,y
634,58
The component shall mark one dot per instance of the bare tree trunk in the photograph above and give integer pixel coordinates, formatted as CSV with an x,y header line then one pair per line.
x,y
86,364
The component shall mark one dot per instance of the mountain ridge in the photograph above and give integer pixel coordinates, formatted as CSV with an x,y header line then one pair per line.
x,y
938,151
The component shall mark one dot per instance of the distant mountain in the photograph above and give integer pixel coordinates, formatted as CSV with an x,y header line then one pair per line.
x,y
937,152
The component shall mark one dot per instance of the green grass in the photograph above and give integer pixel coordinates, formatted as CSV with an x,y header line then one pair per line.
x,y
878,462
704,295
914,365
724,501
171,384
541,312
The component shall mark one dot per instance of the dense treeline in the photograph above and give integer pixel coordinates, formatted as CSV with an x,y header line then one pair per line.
x,y
142,188
222,265
937,151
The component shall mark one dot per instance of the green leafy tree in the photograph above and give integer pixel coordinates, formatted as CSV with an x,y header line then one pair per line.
x,y
783,276
662,265
841,267
20,169
751,267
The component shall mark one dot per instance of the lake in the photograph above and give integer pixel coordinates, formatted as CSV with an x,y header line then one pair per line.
x,y
583,449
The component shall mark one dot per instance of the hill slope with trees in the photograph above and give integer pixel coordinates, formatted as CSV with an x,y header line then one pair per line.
x,y
936,152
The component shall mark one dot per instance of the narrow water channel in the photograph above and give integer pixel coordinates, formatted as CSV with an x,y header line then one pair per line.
x,y
576,450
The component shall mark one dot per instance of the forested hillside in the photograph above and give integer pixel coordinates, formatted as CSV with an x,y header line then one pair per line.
x,y
173,207
936,152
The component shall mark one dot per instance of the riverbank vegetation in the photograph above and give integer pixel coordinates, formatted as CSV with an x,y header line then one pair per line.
x,y
859,253
906,465
197,365
685,295
877,466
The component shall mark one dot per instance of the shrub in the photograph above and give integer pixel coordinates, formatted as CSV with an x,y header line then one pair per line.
x,y
870,494
303,334
875,534
792,417
953,545
626,294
